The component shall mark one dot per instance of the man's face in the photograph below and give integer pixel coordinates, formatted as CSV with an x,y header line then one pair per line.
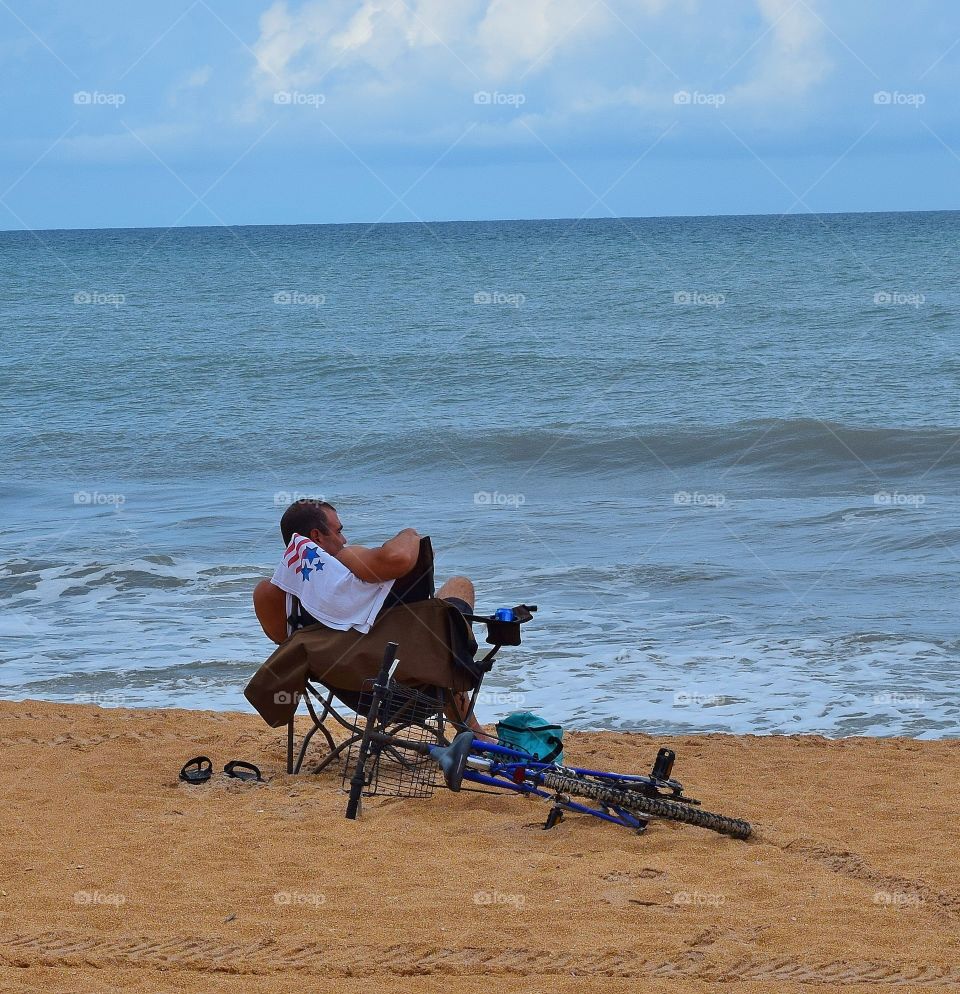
x,y
336,540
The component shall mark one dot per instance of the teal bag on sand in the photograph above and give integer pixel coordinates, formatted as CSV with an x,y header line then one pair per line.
x,y
532,734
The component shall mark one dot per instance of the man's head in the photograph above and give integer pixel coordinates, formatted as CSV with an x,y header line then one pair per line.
x,y
316,520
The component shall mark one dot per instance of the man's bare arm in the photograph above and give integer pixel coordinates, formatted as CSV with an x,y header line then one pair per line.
x,y
270,603
387,562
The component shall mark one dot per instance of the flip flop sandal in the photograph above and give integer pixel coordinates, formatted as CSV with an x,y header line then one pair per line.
x,y
198,770
240,770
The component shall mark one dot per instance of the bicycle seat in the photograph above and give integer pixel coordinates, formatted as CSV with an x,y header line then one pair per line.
x,y
452,759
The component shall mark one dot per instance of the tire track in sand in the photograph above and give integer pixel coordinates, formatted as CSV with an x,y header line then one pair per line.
x,y
268,956
855,867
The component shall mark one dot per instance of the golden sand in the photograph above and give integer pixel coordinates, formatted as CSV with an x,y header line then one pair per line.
x,y
114,876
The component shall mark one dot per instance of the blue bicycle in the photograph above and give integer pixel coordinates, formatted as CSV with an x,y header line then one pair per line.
x,y
399,754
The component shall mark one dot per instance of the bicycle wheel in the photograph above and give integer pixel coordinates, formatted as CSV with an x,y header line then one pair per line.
x,y
639,804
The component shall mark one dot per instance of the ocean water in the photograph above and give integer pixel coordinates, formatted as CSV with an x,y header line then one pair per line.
x,y
721,454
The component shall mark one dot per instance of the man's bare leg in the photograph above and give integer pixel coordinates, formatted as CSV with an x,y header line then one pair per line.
x,y
461,588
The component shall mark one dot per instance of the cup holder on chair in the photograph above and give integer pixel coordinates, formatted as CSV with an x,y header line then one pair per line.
x,y
503,632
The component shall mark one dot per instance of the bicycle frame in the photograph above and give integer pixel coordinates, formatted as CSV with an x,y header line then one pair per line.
x,y
518,772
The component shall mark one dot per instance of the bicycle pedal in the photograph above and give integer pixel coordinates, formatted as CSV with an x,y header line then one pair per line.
x,y
553,818
663,765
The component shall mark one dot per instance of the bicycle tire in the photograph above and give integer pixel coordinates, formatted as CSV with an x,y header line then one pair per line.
x,y
635,803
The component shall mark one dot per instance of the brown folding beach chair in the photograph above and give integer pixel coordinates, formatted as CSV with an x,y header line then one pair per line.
x,y
436,662
333,671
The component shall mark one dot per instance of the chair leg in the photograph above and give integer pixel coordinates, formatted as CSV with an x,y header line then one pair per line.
x,y
335,752
320,720
303,748
319,717
290,746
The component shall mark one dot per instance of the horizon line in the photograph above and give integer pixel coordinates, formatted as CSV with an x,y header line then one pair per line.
x,y
517,220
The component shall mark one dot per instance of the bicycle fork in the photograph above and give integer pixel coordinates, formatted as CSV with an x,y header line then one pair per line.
x,y
359,779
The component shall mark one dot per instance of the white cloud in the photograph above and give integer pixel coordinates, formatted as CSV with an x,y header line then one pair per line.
x,y
281,38
192,82
519,37
199,77
792,58
478,40
410,67
124,147
359,30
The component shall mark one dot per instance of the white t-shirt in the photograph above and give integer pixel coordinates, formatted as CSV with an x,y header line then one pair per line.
x,y
326,588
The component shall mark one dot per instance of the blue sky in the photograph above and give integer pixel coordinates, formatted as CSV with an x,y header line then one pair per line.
x,y
208,112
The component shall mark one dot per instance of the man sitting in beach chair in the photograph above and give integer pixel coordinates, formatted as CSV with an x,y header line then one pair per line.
x,y
324,580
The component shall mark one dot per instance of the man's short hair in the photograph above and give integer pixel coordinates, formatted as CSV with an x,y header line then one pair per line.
x,y
302,516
